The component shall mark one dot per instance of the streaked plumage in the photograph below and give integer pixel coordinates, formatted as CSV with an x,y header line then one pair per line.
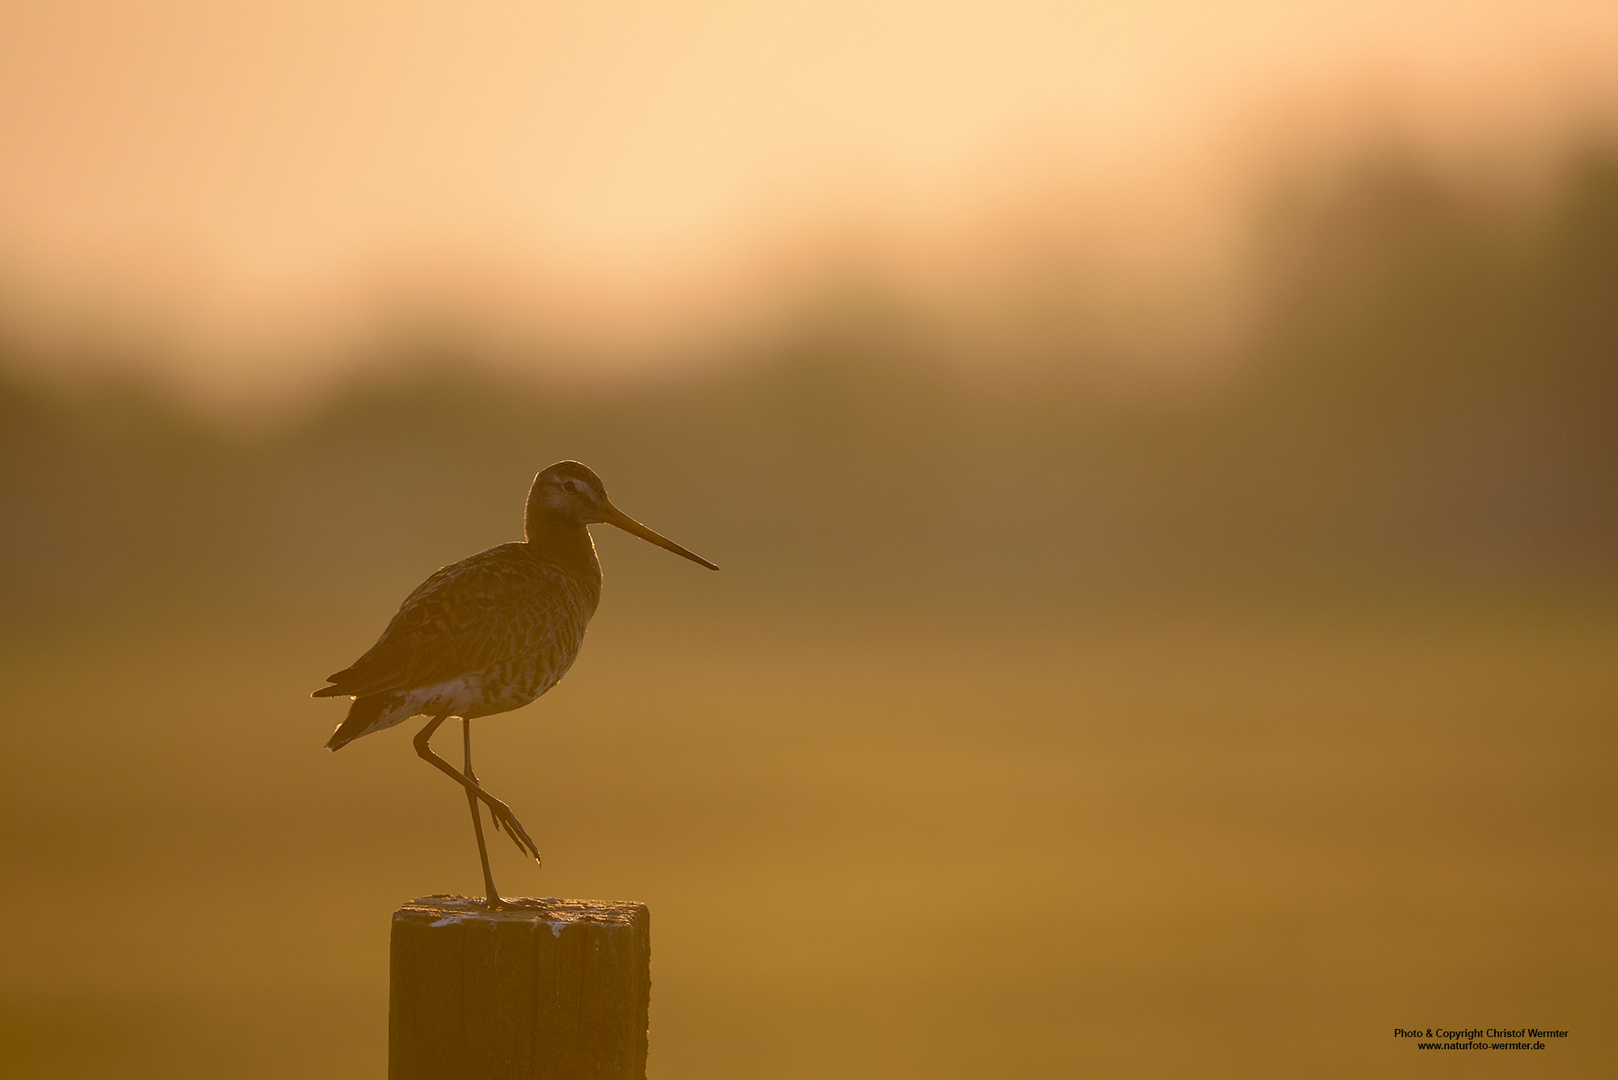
x,y
482,636
492,632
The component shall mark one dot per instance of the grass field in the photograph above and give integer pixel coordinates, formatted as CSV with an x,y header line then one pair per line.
x,y
1167,844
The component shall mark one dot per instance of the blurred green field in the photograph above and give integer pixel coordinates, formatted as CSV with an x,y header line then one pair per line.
x,y
1125,843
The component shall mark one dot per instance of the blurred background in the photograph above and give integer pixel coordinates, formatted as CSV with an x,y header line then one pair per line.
x,y
1163,457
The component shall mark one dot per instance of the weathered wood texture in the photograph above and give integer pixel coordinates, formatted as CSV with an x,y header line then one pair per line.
x,y
550,989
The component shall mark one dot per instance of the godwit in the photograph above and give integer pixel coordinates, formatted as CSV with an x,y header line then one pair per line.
x,y
490,634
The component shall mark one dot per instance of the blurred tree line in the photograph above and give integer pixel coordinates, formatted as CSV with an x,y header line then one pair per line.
x,y
1426,401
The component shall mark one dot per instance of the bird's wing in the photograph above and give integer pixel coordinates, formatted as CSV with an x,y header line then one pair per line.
x,y
460,620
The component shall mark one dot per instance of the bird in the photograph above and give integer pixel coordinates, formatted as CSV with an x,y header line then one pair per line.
x,y
491,633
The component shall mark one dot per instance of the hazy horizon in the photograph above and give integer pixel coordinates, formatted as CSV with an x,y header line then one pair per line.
x,y
242,198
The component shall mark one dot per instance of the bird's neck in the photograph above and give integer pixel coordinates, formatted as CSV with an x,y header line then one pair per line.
x,y
565,541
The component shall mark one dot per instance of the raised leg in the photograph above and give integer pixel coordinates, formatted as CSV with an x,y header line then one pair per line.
x,y
499,812
491,896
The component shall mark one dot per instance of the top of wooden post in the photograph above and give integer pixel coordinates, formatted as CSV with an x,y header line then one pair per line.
x,y
444,910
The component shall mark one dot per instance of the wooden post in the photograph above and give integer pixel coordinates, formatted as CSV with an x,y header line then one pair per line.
x,y
550,989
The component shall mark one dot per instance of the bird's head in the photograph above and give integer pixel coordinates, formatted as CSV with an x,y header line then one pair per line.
x,y
573,493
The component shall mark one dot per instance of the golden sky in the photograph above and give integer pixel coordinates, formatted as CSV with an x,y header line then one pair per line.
x,y
243,174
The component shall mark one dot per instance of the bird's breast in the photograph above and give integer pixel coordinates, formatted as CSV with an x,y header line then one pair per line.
x,y
553,634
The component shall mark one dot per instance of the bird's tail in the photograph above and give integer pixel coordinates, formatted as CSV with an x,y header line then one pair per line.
x,y
364,713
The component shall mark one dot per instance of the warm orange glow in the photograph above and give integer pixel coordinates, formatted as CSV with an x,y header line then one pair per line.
x,y
1163,457
254,178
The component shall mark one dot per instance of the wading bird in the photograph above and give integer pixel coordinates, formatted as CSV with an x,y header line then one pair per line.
x,y
490,634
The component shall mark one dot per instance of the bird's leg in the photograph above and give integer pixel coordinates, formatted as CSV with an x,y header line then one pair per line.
x,y
498,811
491,896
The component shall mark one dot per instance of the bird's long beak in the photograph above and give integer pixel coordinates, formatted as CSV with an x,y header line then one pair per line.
x,y
611,515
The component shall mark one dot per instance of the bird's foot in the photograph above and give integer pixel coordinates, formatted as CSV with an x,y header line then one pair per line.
x,y
501,814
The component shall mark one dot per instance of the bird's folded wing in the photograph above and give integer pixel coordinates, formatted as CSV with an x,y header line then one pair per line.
x,y
459,621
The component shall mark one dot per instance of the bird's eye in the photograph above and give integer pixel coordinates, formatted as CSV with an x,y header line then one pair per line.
x,y
570,485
